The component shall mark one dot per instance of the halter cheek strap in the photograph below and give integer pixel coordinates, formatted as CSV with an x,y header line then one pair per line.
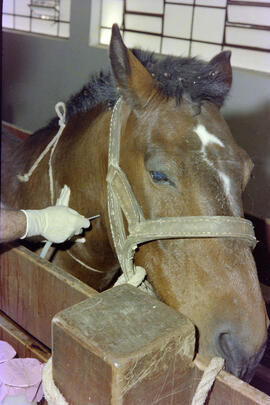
x,y
122,201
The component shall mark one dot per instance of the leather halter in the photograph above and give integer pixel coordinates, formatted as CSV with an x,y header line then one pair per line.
x,y
121,200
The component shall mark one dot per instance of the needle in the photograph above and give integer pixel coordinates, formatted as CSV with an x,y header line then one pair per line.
x,y
95,216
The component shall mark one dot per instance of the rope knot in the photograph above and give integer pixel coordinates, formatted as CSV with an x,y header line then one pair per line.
x,y
60,109
23,177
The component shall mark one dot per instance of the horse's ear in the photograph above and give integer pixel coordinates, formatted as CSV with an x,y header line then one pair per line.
x,y
134,82
221,65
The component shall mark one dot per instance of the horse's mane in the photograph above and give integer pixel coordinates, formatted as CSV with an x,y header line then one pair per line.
x,y
175,77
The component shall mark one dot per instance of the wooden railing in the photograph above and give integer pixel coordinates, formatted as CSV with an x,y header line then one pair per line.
x,y
117,347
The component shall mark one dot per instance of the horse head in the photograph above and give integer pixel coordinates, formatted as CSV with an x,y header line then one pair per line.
x,y
181,160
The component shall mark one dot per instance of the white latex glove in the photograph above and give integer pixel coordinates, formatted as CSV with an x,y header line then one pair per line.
x,y
56,224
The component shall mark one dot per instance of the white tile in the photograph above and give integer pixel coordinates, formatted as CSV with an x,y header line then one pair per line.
x,y
177,47
180,1
204,51
44,27
95,19
105,36
44,13
215,3
248,37
8,6
144,41
208,24
21,7
112,12
145,6
254,60
143,23
7,21
64,30
22,23
256,1
65,10
177,21
249,15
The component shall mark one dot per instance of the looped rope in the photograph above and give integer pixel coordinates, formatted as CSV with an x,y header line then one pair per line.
x,y
61,114
207,380
60,109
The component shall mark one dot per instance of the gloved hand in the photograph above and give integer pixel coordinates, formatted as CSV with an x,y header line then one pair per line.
x,y
56,224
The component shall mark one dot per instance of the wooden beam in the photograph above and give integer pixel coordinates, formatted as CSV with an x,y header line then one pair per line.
x,y
32,291
24,344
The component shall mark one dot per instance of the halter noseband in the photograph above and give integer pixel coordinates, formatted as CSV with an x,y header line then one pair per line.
x,y
121,200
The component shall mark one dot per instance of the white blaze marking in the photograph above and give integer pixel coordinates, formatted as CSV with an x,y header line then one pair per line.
x,y
207,138
226,181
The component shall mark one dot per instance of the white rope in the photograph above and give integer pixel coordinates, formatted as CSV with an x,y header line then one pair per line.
x,y
54,397
52,144
207,380
83,264
136,279
63,199
62,124
51,393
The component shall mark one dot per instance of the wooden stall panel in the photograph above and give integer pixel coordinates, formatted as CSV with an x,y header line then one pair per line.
x,y
123,347
24,344
33,290
228,389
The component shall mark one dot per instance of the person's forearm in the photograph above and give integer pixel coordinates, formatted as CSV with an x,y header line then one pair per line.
x,y
12,225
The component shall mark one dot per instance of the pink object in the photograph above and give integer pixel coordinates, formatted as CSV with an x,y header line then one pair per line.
x,y
6,351
21,377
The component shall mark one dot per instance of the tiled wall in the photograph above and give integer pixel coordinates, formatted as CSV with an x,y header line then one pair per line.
x,y
194,28
49,17
180,27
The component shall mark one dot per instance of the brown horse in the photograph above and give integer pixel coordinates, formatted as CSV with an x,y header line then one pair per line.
x,y
181,160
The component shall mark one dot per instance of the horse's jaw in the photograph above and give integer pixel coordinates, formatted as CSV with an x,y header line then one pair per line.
x,y
215,285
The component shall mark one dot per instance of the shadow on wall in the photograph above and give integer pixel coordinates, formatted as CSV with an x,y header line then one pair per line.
x,y
252,132
14,76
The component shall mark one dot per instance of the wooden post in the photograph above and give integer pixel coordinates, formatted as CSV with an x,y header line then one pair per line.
x,y
123,347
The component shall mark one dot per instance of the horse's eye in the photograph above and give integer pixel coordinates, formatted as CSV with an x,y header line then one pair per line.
x,y
159,177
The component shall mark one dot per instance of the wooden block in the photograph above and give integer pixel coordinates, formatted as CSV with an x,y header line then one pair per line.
x,y
228,389
24,344
32,291
123,347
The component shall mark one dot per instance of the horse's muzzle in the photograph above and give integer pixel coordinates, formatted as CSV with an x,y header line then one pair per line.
x,y
237,361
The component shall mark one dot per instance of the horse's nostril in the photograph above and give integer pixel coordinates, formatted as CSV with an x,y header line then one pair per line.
x,y
228,348
225,344
237,361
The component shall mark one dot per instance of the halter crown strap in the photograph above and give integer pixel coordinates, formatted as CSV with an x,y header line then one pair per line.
x,y
121,200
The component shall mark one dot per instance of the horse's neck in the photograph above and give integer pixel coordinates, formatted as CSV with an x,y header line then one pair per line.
x,y
82,160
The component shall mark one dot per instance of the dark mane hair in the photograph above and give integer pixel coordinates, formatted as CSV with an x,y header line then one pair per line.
x,y
175,77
